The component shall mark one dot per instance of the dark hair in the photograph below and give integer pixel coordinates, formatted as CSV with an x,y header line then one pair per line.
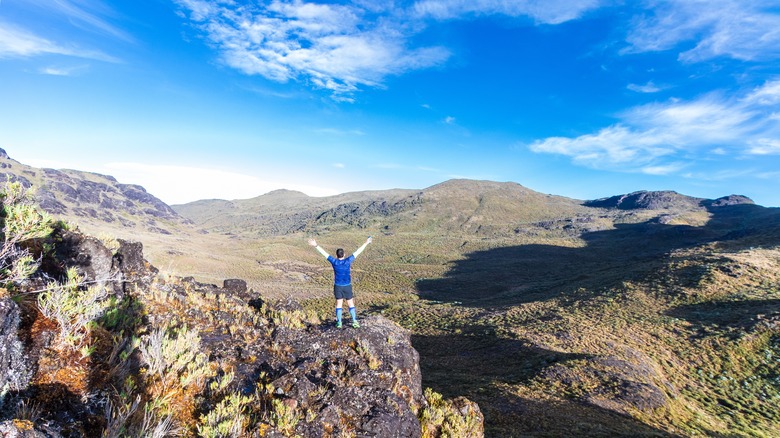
x,y
339,253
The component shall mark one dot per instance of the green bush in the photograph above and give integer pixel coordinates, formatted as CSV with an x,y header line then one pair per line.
x,y
227,419
173,356
74,308
20,222
440,418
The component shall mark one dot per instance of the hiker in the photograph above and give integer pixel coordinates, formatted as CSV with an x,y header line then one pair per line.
x,y
342,281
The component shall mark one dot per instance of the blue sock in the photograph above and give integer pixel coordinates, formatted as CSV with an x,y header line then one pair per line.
x,y
338,314
352,313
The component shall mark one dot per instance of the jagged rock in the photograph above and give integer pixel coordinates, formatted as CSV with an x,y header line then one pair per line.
x,y
372,375
93,261
98,265
15,370
129,259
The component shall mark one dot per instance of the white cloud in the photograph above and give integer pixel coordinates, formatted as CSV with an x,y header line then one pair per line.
x,y
18,42
330,46
663,169
449,120
352,44
62,71
546,12
740,29
182,184
86,14
660,138
649,87
339,165
765,146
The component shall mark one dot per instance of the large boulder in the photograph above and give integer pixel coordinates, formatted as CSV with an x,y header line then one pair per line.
x,y
98,265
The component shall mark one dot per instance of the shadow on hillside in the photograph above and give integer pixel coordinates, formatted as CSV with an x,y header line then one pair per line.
x,y
521,274
725,316
480,367
485,368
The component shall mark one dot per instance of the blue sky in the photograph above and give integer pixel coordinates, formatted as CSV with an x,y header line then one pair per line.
x,y
229,99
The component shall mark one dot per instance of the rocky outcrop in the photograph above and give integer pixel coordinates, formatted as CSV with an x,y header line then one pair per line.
x,y
98,265
299,375
729,200
644,200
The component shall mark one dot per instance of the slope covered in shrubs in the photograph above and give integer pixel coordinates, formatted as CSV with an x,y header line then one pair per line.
x,y
97,343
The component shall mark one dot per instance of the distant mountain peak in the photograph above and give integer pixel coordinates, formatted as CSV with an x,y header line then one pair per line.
x,y
731,200
286,192
646,200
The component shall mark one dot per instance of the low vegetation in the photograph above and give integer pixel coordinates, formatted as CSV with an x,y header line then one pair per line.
x,y
137,365
557,320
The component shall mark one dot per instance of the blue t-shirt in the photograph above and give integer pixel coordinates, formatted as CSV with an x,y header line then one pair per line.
x,y
341,270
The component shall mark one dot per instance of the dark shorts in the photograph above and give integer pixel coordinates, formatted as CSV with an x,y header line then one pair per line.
x,y
342,292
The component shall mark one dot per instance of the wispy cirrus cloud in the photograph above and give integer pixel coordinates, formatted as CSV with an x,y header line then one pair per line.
x,y
660,138
91,15
649,87
547,12
337,47
740,29
63,71
19,42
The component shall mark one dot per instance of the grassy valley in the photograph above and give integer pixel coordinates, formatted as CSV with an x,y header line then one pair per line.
x,y
649,314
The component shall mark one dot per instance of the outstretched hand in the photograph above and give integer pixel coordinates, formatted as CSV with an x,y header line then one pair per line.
x,y
369,240
312,242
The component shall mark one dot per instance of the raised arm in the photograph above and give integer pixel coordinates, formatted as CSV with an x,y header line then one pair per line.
x,y
313,243
359,250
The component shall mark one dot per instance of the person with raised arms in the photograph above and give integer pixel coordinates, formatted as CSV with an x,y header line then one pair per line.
x,y
342,279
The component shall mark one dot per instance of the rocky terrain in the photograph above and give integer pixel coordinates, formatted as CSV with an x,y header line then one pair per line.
x,y
171,356
84,197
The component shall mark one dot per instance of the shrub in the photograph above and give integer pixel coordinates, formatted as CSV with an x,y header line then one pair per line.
x,y
174,357
227,419
440,418
20,222
175,373
73,308
284,418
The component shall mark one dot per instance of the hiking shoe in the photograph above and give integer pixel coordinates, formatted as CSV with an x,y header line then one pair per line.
x,y
355,324
338,324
